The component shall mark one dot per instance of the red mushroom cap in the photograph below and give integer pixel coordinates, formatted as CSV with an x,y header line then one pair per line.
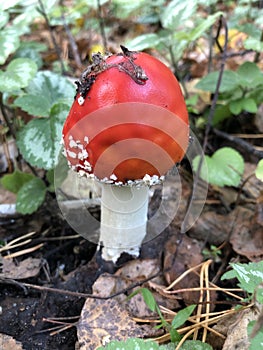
x,y
129,119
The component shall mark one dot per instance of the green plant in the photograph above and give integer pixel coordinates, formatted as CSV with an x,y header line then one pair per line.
x,y
224,168
170,39
179,319
239,91
139,344
250,277
213,252
259,170
46,98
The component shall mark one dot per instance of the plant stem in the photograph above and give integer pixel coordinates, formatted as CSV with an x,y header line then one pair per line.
x,y
42,11
123,220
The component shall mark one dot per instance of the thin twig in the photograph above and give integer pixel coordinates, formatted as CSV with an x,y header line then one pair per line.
x,y
25,251
102,26
42,11
176,71
72,41
222,23
239,142
87,295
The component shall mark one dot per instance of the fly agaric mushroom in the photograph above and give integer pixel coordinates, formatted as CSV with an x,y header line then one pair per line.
x,y
126,128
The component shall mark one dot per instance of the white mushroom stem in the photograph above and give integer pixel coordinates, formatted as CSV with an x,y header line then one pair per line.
x,y
123,220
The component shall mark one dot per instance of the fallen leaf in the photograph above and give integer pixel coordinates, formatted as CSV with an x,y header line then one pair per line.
x,y
9,343
177,259
104,320
237,337
247,235
27,268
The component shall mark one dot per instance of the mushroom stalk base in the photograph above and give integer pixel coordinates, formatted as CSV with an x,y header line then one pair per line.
x,y
123,220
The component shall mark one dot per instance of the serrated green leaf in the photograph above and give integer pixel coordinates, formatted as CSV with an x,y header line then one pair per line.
x,y
44,91
225,167
9,42
17,75
259,170
230,81
177,12
24,68
38,106
13,182
31,50
182,316
144,41
8,82
249,275
30,196
39,140
131,344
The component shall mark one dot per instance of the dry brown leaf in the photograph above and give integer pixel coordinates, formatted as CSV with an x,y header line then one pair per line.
x,y
237,337
9,343
178,259
247,234
27,268
104,320
212,228
132,272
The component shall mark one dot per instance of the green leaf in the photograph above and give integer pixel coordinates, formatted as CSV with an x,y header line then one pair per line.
x,y
182,316
7,4
131,344
50,178
39,140
195,345
253,44
230,81
148,298
204,26
225,167
17,75
13,182
4,17
9,42
249,275
177,12
38,106
222,112
123,8
30,196
259,294
236,106
249,105
45,90
243,104
31,49
256,343
259,170
250,75
144,41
